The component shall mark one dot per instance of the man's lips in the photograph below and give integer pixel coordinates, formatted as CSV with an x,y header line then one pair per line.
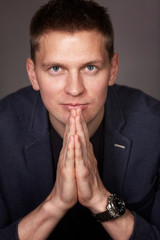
x,y
70,106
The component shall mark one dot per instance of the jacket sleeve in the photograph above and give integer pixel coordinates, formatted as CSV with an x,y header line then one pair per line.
x,y
7,231
149,230
144,229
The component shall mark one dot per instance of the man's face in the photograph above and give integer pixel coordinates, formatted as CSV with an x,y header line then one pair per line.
x,y
73,70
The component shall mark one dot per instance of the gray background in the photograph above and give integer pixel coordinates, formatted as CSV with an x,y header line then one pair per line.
x,y
137,39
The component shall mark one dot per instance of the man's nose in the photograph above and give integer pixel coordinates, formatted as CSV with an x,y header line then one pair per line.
x,y
74,84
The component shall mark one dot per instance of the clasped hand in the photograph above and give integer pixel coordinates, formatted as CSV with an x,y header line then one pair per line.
x,y
77,173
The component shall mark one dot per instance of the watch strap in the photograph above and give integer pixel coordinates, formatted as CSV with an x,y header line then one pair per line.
x,y
103,216
114,209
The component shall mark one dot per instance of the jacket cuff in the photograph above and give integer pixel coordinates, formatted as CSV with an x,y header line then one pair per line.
x,y
142,229
10,232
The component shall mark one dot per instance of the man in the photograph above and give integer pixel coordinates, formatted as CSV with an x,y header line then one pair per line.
x,y
68,156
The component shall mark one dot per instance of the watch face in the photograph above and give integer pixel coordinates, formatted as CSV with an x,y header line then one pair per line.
x,y
119,205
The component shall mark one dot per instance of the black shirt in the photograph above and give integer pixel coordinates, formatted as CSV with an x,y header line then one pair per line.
x,y
79,223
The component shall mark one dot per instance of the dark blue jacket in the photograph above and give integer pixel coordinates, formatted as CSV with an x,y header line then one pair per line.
x,y
26,172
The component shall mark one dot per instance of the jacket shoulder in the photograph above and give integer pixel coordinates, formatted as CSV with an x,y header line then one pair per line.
x,y
135,100
18,103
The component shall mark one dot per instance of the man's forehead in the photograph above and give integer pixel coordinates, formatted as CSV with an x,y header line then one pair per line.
x,y
89,42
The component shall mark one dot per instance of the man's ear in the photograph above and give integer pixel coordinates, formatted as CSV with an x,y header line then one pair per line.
x,y
114,69
30,66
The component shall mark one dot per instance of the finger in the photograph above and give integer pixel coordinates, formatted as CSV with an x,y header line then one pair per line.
x,y
70,127
69,158
84,124
78,151
82,130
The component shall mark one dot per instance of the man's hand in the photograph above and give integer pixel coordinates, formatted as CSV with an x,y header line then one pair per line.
x,y
64,193
91,191
77,172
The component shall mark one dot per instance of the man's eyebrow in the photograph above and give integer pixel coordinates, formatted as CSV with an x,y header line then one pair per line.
x,y
94,62
51,64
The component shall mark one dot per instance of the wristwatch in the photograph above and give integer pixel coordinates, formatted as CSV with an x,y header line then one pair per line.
x,y
114,209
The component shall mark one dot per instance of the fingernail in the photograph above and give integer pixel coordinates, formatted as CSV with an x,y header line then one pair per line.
x,y
73,113
78,110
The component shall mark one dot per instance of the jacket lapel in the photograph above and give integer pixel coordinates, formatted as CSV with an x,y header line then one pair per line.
x,y
117,147
38,153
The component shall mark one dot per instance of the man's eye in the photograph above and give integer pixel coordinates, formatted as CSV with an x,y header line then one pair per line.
x,y
56,69
90,67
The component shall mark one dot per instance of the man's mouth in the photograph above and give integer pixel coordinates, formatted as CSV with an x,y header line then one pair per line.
x,y
70,106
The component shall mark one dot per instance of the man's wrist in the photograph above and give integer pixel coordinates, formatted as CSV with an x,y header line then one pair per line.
x,y
53,209
115,208
99,204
